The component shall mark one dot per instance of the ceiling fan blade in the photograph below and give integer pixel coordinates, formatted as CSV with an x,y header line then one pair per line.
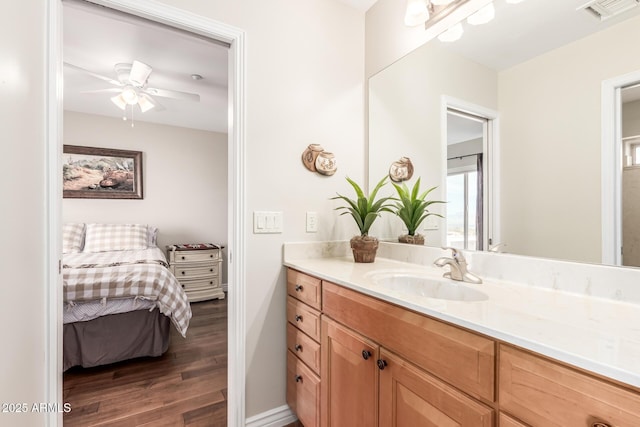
x,y
91,73
139,73
175,94
110,90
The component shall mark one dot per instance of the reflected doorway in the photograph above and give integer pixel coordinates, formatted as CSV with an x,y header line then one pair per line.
x,y
466,162
630,98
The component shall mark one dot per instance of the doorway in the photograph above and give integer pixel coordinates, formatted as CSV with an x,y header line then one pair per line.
x,y
236,278
630,100
471,143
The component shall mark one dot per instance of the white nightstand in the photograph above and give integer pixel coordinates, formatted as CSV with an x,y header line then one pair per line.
x,y
198,267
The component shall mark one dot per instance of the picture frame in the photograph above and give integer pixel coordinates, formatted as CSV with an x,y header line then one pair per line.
x,y
101,173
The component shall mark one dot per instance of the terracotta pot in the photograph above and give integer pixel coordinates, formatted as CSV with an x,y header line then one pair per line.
x,y
364,248
417,239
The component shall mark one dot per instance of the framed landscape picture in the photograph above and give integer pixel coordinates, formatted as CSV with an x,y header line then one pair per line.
x,y
101,173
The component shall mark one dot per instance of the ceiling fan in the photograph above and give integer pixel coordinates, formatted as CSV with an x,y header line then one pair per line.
x,y
131,87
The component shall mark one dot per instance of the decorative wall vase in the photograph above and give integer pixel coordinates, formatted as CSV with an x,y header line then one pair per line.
x,y
401,170
364,248
310,155
326,163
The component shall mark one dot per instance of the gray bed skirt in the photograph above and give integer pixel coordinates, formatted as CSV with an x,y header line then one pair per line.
x,y
115,338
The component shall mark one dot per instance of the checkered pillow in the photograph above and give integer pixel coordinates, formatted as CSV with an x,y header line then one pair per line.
x,y
72,238
115,237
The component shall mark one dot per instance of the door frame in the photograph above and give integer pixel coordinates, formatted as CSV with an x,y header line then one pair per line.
x,y
197,24
491,174
611,153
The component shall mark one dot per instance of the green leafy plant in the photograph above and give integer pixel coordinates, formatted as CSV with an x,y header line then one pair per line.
x,y
412,207
364,210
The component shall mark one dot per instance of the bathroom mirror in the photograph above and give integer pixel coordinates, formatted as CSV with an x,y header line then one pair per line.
x,y
536,73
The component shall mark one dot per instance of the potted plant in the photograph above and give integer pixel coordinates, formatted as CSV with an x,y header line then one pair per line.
x,y
364,210
412,210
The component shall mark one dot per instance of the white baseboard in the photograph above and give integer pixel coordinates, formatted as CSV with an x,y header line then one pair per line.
x,y
276,417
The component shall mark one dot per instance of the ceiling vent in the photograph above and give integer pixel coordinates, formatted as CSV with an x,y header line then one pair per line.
x,y
605,9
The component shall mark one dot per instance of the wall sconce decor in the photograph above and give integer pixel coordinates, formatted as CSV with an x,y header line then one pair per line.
x,y
401,170
316,159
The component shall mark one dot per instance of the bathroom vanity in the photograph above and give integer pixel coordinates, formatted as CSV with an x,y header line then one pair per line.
x,y
522,356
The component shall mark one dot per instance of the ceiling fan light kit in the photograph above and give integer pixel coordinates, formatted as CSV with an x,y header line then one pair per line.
x,y
131,87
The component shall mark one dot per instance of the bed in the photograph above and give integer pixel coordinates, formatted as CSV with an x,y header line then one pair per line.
x,y
120,298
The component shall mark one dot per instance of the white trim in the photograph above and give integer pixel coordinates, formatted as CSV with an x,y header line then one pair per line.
x,y
276,417
491,175
611,146
236,250
53,225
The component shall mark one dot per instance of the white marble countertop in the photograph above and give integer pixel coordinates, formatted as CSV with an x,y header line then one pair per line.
x,y
596,334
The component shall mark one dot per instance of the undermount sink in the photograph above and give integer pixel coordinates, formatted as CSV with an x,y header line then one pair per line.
x,y
428,287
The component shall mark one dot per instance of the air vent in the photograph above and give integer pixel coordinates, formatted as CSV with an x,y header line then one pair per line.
x,y
605,9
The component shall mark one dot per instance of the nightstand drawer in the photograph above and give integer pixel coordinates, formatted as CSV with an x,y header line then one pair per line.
x,y
205,283
187,257
184,272
304,318
303,347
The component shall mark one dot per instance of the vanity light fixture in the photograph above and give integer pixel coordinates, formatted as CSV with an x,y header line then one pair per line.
x,y
441,2
514,1
483,15
417,13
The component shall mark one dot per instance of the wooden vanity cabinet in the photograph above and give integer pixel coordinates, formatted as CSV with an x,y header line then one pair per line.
x,y
349,377
539,392
364,383
303,346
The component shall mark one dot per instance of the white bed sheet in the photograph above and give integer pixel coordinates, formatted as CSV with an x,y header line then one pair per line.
x,y
85,311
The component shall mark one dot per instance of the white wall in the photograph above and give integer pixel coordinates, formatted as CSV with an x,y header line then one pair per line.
x,y
551,202
304,84
406,119
22,210
184,179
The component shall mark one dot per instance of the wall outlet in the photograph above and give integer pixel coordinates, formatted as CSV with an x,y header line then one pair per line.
x,y
312,222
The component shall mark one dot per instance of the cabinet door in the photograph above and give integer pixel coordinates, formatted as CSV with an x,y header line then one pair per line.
x,y
349,378
410,397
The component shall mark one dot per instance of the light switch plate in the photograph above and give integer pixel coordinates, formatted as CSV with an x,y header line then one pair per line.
x,y
267,222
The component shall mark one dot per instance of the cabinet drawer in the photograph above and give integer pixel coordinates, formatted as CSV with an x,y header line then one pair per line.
x,y
507,421
305,288
187,272
458,357
542,392
303,392
303,347
186,257
195,284
411,397
304,318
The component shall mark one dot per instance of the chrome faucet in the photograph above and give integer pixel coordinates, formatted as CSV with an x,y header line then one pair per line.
x,y
458,267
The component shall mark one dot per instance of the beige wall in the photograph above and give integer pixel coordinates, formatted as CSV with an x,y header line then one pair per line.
x,y
304,84
401,123
22,213
185,179
551,200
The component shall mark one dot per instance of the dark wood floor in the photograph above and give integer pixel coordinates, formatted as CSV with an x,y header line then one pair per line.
x,y
187,386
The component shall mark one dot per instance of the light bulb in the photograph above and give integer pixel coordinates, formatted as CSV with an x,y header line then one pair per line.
x,y
483,15
417,13
452,34
130,95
